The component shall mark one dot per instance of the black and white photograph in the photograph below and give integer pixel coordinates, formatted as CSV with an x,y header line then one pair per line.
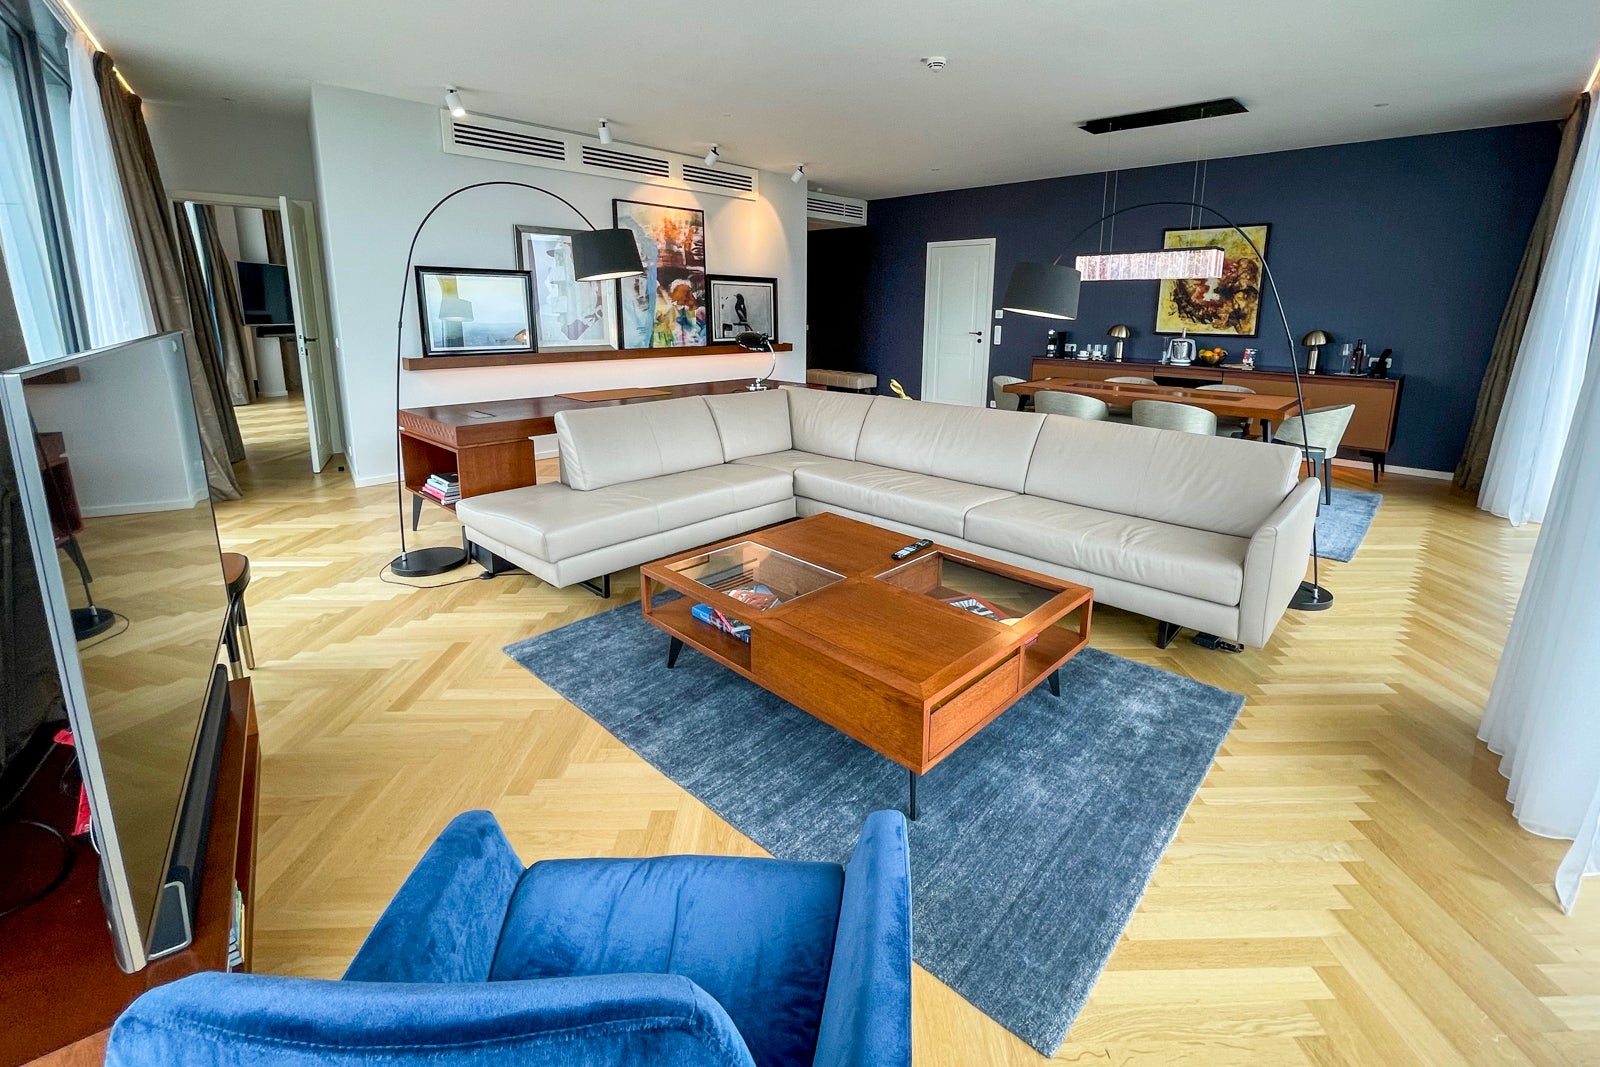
x,y
467,311
741,304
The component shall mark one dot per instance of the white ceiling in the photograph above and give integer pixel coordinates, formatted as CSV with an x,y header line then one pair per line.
x,y
840,87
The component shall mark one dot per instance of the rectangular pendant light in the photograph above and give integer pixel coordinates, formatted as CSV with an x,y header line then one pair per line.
x,y
1150,266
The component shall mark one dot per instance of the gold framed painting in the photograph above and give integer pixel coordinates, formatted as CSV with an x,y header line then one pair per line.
x,y
1229,305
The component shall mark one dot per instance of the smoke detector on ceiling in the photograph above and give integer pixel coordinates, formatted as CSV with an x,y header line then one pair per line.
x,y
934,63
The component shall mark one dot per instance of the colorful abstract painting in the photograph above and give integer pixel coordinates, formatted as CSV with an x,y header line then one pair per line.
x,y
666,306
1229,305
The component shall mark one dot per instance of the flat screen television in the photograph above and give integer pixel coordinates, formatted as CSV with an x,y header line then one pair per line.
x,y
112,492
264,294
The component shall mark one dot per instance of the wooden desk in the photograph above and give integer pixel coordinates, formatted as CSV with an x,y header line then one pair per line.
x,y
488,445
59,981
1377,400
1266,409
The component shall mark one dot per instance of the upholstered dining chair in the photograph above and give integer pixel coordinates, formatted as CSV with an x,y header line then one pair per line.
x,y
1162,415
1228,425
1320,430
1083,407
1002,399
1122,411
703,961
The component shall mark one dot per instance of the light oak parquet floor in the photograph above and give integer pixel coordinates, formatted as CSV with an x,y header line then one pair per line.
x,y
1348,888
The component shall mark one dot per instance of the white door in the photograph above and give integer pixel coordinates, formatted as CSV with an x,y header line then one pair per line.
x,y
955,322
303,249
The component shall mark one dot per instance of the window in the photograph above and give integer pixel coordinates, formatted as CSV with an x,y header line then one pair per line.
x,y
35,153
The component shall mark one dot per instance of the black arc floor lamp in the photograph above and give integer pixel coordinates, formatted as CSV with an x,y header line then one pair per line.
x,y
1050,290
597,256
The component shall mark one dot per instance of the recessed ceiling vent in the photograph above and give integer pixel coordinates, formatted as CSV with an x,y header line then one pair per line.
x,y
539,146
1166,116
826,211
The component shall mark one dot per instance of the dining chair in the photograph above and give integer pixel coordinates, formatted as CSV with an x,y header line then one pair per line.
x,y
1003,400
1083,407
1320,430
1122,411
1162,415
1229,425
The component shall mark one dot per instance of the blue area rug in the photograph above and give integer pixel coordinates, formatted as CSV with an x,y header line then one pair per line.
x,y
1036,837
1342,525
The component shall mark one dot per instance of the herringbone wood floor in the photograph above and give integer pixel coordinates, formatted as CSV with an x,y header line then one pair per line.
x,y
1348,888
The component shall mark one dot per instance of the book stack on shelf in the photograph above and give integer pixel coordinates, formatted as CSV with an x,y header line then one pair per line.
x,y
235,949
445,488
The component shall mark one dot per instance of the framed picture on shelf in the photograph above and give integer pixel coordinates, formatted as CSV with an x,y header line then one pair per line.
x,y
568,314
1226,306
666,306
739,304
465,311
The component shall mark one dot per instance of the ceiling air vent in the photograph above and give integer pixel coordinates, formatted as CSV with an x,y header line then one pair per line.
x,y
1166,116
824,211
538,146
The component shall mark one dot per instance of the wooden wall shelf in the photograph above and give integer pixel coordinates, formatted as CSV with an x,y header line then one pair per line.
x,y
576,356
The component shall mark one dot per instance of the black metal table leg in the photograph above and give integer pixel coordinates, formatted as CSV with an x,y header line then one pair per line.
x,y
673,649
1055,683
416,510
911,809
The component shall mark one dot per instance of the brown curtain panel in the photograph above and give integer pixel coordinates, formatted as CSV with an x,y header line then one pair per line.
x,y
157,248
1508,338
235,342
277,253
205,337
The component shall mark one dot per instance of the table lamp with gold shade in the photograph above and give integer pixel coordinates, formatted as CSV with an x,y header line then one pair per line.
x,y
1314,341
1121,333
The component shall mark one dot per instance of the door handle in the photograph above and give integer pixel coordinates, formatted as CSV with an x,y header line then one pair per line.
x,y
976,333
308,340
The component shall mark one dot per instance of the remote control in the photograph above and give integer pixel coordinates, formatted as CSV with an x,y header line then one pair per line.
x,y
911,549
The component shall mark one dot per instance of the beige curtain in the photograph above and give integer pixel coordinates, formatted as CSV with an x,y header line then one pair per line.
x,y
1508,338
205,338
157,249
235,343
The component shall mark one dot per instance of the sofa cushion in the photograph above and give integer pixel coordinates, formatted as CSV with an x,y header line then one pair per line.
x,y
758,937
1219,484
828,424
751,424
785,461
901,496
554,522
973,445
1198,563
604,446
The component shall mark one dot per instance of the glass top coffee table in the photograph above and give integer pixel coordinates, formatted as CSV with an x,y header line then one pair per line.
x,y
911,658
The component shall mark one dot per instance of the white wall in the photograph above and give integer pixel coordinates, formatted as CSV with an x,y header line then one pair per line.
x,y
220,148
380,166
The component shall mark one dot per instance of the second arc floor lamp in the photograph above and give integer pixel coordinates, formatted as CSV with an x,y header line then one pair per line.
x,y
597,256
1050,290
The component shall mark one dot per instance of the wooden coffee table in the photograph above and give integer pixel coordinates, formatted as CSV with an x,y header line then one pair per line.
x,y
870,645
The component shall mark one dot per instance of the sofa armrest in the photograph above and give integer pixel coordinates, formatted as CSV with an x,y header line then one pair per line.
x,y
444,923
866,1019
1275,563
213,1018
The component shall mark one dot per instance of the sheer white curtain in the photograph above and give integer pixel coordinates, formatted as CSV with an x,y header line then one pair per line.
x,y
1544,711
115,301
1549,370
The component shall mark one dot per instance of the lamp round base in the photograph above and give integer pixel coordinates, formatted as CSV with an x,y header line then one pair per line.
x,y
1311,597
88,622
426,562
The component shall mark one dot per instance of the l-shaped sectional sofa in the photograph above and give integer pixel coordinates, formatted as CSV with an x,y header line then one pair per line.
x,y
1205,532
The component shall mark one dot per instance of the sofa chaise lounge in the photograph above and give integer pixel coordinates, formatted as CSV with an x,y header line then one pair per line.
x,y
1203,532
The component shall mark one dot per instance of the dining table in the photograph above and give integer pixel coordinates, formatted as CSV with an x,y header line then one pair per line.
x,y
1263,409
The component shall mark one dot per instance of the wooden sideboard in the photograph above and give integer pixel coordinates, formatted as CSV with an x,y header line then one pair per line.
x,y
59,980
1377,400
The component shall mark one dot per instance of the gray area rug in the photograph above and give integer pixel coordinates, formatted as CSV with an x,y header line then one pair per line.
x,y
1342,525
1036,837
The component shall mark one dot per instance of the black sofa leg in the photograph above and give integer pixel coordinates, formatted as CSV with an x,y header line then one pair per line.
x,y
600,587
493,564
1166,632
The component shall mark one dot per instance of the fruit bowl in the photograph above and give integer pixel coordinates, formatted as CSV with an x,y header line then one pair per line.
x,y
1211,357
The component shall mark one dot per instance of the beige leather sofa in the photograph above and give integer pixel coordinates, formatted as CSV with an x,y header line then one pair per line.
x,y
1204,532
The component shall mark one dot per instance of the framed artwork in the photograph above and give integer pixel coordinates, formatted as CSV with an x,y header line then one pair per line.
x,y
568,314
738,304
666,306
464,311
1229,305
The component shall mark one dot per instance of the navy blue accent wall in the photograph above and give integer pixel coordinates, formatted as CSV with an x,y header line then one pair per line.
x,y
1410,244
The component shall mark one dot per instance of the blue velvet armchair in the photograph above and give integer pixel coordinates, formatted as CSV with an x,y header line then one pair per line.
x,y
692,960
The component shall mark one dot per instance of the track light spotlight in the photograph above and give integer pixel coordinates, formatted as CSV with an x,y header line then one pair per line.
x,y
799,174
712,156
452,100
605,132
